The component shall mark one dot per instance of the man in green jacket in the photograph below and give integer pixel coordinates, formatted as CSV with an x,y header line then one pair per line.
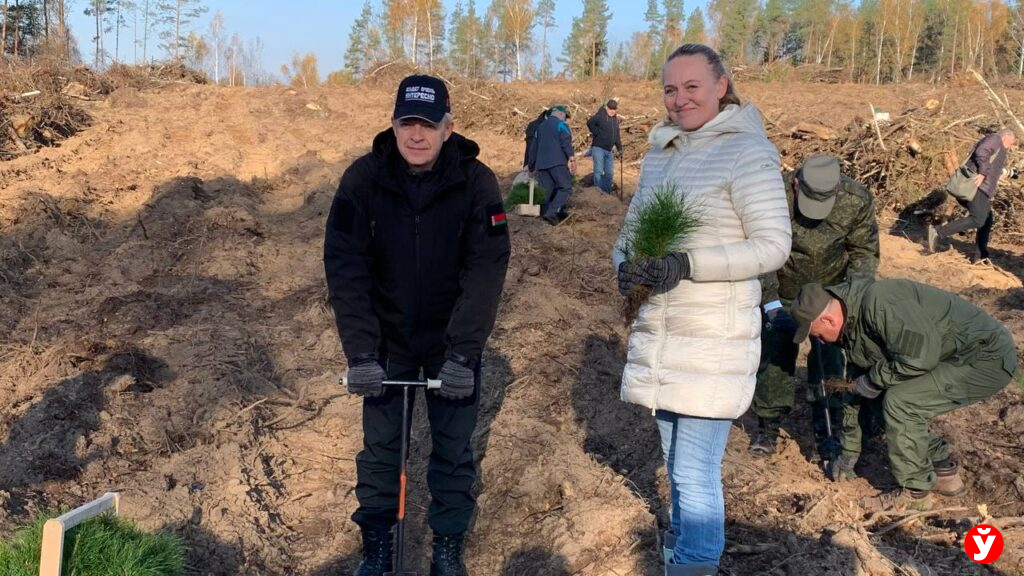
x,y
835,237
929,351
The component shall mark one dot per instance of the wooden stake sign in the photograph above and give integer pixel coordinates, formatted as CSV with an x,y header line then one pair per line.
x,y
52,551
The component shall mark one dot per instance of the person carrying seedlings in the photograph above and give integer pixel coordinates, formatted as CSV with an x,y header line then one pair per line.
x,y
835,237
553,163
693,350
415,255
604,133
986,166
929,351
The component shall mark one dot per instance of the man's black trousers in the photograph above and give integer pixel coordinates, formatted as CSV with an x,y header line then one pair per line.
x,y
979,215
451,472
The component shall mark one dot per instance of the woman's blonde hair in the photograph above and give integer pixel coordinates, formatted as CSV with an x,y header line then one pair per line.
x,y
717,67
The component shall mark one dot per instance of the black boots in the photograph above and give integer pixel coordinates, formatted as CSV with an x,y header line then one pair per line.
x,y
447,559
376,553
767,436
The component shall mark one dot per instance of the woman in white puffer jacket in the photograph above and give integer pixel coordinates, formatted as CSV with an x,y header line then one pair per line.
x,y
695,346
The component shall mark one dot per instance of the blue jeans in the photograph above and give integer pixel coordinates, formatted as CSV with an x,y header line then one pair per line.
x,y
604,168
693,449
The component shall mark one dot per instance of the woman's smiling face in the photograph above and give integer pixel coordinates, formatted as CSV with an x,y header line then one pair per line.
x,y
692,93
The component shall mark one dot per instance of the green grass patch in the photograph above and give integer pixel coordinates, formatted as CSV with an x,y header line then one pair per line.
x,y
102,546
1019,379
659,226
520,194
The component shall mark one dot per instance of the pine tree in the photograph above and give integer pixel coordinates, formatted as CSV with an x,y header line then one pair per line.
x,y
652,59
465,52
672,26
355,56
735,23
586,46
546,20
176,15
695,31
99,9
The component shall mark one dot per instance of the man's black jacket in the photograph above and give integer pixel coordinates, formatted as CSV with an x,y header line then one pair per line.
x,y
605,130
415,264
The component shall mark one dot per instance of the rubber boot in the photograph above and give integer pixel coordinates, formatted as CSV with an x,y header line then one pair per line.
x,y
767,436
668,546
447,558
673,569
377,553
947,478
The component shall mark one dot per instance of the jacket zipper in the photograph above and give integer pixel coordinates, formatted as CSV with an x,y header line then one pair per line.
x,y
419,269
660,351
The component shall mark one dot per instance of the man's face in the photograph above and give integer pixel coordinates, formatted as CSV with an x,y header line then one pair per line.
x,y
1009,141
420,141
612,112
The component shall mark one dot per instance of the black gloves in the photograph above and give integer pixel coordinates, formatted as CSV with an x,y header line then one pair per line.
x,y
662,274
457,377
778,320
365,376
862,386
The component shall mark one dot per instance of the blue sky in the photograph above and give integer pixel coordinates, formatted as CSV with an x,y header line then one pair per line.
x,y
322,27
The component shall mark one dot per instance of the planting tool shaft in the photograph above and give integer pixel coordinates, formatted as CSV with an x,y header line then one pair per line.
x,y
826,397
405,385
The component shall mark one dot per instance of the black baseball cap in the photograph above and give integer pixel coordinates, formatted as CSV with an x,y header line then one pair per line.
x,y
811,300
422,96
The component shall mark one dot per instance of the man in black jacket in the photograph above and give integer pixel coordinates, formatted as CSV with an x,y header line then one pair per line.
x,y
604,131
415,253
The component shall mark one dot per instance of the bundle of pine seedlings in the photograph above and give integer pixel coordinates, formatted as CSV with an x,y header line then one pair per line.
x,y
520,194
102,546
659,226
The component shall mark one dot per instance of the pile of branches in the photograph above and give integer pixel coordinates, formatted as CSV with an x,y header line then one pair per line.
x,y
38,107
905,159
154,75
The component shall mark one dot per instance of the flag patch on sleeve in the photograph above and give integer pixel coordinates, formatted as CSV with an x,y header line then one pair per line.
x,y
496,218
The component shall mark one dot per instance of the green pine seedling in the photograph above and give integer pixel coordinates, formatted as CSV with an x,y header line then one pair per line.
x,y
660,226
520,194
102,546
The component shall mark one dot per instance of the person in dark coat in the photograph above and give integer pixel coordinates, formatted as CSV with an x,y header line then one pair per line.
x,y
604,133
531,134
415,254
553,162
987,162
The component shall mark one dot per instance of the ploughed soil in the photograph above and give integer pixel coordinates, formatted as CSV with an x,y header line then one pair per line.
x,y
165,333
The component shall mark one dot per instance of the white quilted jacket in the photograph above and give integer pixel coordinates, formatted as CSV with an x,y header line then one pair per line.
x,y
695,349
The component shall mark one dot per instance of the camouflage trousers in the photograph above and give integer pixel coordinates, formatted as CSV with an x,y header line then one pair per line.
x,y
776,388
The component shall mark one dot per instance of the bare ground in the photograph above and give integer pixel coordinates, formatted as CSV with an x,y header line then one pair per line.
x,y
166,334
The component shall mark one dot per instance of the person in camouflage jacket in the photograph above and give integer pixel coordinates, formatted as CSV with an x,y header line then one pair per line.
x,y
929,351
835,237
